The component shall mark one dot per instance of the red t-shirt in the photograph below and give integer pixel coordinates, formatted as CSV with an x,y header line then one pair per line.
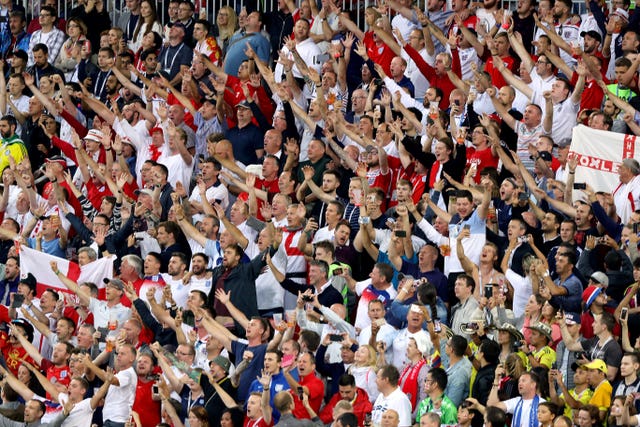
x,y
378,180
378,53
248,422
13,356
56,374
144,404
316,395
95,194
496,76
592,95
482,158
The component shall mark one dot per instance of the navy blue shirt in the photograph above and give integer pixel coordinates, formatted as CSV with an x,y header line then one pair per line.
x,y
253,370
245,142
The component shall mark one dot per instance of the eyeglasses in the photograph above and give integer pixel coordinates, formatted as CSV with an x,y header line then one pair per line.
x,y
542,62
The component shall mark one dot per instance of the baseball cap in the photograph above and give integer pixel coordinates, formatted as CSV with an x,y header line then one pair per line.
x,y
156,129
593,34
146,191
243,104
223,362
621,13
572,318
115,283
600,278
597,365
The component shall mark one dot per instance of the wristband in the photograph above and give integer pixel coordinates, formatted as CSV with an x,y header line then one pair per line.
x,y
54,180
505,26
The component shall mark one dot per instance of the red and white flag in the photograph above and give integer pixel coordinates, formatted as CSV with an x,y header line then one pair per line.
x,y
38,264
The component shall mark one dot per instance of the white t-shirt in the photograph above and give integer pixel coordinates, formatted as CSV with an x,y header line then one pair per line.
x,y
101,313
179,291
522,290
80,415
119,400
269,292
178,169
396,400
511,405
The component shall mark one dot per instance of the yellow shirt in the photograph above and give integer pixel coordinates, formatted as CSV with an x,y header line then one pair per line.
x,y
17,150
546,356
583,398
602,396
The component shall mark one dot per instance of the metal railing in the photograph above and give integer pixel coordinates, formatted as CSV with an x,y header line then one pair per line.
x,y
357,7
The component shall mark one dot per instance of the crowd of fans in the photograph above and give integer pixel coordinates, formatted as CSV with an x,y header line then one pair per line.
x,y
312,222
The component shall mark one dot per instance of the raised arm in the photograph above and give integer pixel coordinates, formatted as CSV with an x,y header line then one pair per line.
x,y
511,79
85,297
26,344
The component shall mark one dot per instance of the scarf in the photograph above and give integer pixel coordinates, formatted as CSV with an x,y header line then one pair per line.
x,y
409,381
533,413
155,152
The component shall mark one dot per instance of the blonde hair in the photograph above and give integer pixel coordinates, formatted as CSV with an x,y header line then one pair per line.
x,y
371,360
232,24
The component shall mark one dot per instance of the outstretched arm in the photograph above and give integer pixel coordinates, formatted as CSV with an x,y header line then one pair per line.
x,y
85,297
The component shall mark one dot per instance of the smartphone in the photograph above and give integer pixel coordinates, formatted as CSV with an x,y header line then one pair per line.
x,y
155,389
400,233
18,300
466,227
579,185
103,334
523,196
338,271
367,418
456,102
488,291
307,298
624,313
300,393
287,360
636,227
437,328
335,337
322,58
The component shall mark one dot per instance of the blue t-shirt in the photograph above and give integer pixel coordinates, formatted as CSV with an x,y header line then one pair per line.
x,y
278,383
52,247
253,370
573,300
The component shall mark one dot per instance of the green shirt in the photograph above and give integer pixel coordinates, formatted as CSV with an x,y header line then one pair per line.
x,y
448,410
